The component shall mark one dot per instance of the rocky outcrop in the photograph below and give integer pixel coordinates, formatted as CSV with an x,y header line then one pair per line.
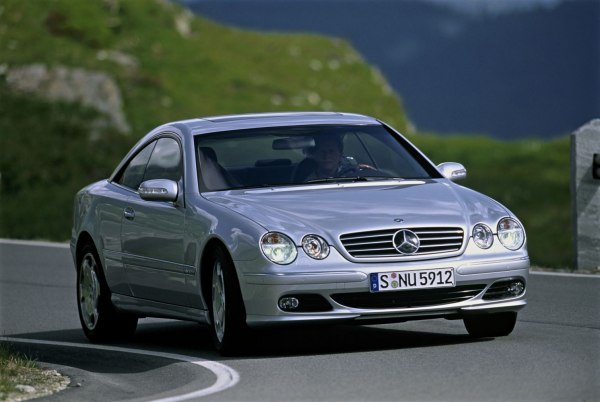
x,y
93,89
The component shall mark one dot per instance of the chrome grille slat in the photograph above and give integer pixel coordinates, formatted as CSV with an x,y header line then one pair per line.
x,y
440,238
438,231
370,242
391,249
366,237
441,245
379,243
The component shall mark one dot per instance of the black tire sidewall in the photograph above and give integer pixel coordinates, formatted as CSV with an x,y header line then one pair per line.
x,y
235,314
491,325
111,325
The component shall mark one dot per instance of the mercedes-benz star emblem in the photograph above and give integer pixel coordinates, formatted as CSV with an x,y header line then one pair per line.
x,y
406,242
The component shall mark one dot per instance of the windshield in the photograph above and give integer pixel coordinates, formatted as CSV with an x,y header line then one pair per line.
x,y
304,155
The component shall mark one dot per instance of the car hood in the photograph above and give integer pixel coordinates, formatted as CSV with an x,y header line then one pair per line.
x,y
333,209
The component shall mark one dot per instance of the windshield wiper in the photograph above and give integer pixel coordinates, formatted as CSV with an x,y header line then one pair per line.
x,y
338,179
354,179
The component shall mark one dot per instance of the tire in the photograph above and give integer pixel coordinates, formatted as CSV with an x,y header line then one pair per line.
x,y
227,313
490,325
100,321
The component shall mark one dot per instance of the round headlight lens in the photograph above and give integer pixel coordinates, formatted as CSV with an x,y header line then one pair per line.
x,y
315,246
483,236
511,234
278,248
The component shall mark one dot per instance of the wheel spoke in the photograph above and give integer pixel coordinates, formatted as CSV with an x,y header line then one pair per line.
x,y
218,301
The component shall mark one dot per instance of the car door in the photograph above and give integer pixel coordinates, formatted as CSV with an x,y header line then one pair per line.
x,y
152,232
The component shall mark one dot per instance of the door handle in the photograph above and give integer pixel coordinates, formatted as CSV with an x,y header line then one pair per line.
x,y
129,213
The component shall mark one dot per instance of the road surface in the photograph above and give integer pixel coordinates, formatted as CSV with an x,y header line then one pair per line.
x,y
553,354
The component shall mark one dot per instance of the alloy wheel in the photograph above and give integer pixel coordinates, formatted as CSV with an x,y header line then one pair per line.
x,y
218,301
89,291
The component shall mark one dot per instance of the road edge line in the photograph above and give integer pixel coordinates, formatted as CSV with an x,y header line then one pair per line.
x,y
227,377
39,243
564,274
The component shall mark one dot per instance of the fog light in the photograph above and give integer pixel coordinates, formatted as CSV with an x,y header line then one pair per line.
x,y
516,288
504,289
288,303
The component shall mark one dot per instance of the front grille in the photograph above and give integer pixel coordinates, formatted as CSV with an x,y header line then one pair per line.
x,y
376,244
408,298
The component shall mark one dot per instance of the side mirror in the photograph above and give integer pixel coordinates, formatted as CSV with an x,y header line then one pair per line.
x,y
159,190
452,170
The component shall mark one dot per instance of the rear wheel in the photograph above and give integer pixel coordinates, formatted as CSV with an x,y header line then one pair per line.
x,y
100,321
227,311
490,325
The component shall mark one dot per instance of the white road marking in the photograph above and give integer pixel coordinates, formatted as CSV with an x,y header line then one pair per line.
x,y
226,376
34,243
565,274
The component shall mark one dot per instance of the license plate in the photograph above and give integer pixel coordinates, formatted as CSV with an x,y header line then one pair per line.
x,y
405,280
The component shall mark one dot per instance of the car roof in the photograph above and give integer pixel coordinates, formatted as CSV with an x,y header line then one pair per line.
x,y
256,120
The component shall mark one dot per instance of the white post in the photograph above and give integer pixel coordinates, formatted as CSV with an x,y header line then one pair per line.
x,y
585,196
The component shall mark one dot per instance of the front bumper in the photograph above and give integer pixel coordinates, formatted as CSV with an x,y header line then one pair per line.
x,y
262,291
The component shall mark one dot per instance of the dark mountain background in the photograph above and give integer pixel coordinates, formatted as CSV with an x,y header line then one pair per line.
x,y
528,73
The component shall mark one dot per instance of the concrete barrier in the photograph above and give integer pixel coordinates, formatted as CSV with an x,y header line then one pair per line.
x,y
585,196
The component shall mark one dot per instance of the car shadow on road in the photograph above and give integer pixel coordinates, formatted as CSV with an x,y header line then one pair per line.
x,y
195,340
344,339
189,338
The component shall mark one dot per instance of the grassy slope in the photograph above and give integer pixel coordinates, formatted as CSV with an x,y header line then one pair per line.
x,y
218,70
213,71
46,156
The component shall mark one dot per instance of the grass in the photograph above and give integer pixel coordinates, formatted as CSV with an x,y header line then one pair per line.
x,y
17,370
44,161
530,177
14,370
212,70
46,153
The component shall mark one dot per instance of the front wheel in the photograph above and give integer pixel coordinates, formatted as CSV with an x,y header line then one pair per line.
x,y
100,321
490,325
227,308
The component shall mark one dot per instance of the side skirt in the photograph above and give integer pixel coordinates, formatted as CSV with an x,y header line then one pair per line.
x,y
147,308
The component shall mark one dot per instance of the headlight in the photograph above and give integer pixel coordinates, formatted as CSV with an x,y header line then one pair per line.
x,y
278,248
315,246
511,234
483,236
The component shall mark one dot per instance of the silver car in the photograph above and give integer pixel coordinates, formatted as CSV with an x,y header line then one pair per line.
x,y
254,220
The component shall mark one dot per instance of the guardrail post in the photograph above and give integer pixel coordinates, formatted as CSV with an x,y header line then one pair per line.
x,y
585,196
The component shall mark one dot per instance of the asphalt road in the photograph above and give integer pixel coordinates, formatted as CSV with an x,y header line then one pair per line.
x,y
553,354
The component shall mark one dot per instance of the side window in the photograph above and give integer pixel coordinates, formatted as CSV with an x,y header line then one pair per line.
x,y
133,174
165,162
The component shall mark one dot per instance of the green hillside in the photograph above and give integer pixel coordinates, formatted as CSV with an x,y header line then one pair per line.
x,y
530,177
155,62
